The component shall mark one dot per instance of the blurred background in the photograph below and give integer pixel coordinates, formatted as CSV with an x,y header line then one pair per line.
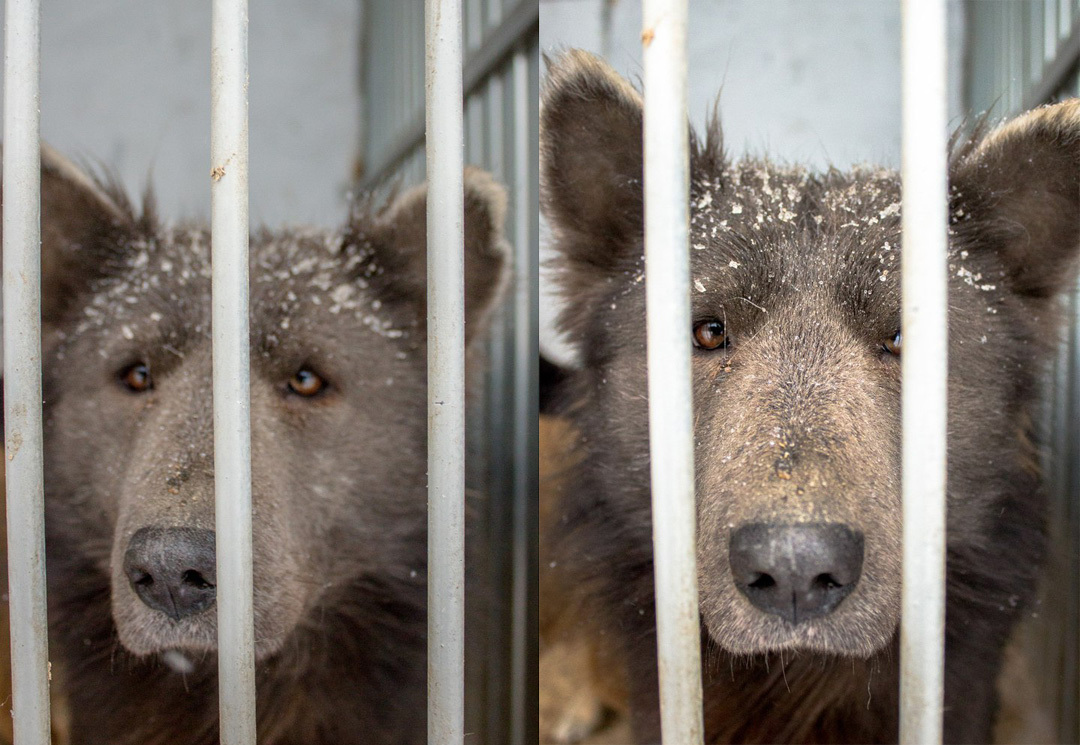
x,y
818,82
337,106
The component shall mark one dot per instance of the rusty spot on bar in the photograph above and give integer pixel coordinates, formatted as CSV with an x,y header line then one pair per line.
x,y
647,36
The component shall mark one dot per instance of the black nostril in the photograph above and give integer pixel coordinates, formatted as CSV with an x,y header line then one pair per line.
x,y
799,571
193,578
172,570
763,582
826,582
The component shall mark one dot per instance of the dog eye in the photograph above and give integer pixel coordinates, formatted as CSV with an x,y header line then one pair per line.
x,y
306,383
892,346
710,335
137,377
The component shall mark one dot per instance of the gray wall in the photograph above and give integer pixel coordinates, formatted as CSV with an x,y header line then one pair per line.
x,y
812,81
127,83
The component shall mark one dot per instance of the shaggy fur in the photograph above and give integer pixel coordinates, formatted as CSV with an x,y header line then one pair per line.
x,y
798,418
338,478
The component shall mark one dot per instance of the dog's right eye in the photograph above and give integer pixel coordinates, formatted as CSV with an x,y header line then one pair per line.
x,y
894,345
136,378
710,335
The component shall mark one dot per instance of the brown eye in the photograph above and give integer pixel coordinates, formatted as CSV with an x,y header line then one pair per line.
x,y
137,377
892,346
306,383
710,335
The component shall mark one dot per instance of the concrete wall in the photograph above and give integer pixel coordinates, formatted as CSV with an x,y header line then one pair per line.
x,y
126,83
811,81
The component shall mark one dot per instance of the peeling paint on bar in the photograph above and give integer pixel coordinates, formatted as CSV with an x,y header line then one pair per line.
x,y
667,225
22,373
924,265
232,404
446,373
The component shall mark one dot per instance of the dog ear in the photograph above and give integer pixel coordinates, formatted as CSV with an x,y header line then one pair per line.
x,y
82,231
399,238
591,186
591,161
1017,192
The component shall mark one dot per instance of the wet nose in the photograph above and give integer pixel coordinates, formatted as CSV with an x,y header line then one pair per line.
x,y
798,571
172,569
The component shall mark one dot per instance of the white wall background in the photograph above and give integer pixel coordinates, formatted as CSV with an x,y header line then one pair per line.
x,y
126,83
810,81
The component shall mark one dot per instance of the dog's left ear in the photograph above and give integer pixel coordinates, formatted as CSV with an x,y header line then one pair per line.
x,y
1018,193
399,238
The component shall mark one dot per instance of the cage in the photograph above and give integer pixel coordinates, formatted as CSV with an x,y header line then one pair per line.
x,y
131,86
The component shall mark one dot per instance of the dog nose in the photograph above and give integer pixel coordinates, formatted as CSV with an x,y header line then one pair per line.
x,y
797,571
172,569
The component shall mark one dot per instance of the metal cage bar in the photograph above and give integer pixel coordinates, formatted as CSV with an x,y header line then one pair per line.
x,y
671,439
22,373
924,175
446,372
231,370
526,354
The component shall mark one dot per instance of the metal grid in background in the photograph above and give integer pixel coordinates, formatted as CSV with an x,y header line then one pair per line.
x,y
1023,53
501,80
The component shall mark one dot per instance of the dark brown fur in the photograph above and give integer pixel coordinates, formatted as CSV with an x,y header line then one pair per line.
x,y
798,421
338,480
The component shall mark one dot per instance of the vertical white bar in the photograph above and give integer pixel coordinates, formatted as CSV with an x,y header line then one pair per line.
x,y
924,368
446,373
22,373
525,405
671,436
232,399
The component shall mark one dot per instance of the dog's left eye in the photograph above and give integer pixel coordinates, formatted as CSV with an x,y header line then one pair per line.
x,y
892,346
136,378
307,383
710,335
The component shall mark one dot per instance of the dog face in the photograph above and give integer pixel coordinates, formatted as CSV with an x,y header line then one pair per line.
x,y
796,339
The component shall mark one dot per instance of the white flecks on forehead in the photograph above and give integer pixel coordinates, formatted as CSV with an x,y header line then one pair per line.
x,y
771,194
306,263
334,242
147,272
342,293
867,194
698,285
972,278
310,259
304,266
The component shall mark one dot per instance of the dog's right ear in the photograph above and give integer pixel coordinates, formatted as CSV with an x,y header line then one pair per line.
x,y
591,161
82,232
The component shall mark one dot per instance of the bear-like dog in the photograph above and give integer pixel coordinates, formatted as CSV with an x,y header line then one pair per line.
x,y
796,342
338,410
